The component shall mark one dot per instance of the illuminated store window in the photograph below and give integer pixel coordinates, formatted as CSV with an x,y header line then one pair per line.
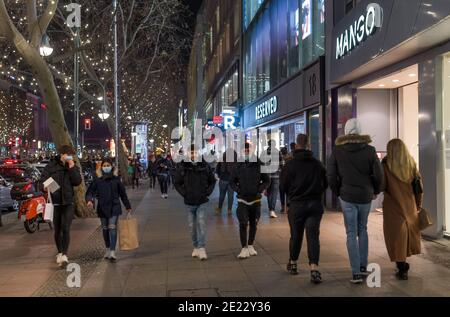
x,y
286,36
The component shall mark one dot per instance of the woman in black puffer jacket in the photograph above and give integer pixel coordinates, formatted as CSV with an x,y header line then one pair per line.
x,y
109,190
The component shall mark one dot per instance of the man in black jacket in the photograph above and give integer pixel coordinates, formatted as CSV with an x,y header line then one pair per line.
x,y
304,180
355,176
195,181
64,172
248,182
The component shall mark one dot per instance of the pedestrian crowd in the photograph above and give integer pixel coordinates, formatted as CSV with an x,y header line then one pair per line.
x,y
354,173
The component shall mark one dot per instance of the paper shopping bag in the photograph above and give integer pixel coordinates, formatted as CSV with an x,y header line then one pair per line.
x,y
49,209
128,234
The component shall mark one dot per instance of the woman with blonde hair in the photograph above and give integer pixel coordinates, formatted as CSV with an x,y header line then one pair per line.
x,y
401,205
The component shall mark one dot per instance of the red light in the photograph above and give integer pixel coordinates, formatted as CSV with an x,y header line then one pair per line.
x,y
218,119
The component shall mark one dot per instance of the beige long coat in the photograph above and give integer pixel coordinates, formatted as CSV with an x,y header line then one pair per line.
x,y
400,218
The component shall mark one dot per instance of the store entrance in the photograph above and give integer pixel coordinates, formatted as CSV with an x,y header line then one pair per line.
x,y
388,108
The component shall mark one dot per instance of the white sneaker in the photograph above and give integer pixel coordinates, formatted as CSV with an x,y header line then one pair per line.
x,y
166,196
252,251
107,254
64,261
58,259
202,254
162,196
273,214
195,253
113,257
244,254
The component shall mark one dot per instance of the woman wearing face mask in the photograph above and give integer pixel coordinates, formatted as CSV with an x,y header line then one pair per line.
x,y
109,190
65,173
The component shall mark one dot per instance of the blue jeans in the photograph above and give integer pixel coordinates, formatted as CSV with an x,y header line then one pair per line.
x,y
109,226
197,225
355,218
225,188
272,193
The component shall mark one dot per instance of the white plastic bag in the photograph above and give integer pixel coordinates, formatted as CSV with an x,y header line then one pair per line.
x,y
49,209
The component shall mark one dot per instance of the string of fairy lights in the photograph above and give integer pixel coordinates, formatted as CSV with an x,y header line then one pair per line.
x,y
16,116
151,106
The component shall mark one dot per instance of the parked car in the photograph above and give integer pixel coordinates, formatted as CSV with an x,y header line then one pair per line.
x,y
39,166
6,202
25,179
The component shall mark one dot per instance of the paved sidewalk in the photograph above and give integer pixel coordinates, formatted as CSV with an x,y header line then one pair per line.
x,y
27,261
162,266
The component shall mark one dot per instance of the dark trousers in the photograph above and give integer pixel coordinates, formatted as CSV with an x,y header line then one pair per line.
x,y
305,215
62,220
162,180
248,216
136,182
152,181
282,199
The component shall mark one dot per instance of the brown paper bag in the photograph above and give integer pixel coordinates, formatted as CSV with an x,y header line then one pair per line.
x,y
128,234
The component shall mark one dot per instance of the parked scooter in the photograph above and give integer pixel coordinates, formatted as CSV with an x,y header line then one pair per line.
x,y
32,211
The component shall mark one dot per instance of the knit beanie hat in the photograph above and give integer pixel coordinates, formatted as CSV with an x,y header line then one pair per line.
x,y
353,126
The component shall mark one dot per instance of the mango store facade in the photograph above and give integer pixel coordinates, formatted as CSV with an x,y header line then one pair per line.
x,y
392,72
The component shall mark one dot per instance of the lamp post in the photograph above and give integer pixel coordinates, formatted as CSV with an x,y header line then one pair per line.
x,y
165,126
133,143
116,84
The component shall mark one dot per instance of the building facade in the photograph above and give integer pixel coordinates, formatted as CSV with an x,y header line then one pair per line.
x,y
214,68
393,73
283,70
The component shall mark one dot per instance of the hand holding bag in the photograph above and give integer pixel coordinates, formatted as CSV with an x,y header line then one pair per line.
x,y
424,219
49,209
128,234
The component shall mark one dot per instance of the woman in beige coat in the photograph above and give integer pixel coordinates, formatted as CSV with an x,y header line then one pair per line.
x,y
400,206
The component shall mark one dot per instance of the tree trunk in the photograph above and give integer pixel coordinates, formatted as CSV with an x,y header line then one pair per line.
x,y
56,121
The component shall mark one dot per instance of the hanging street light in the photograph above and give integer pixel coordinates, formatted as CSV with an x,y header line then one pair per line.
x,y
45,49
104,114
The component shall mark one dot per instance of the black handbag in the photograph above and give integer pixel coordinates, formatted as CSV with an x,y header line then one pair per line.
x,y
417,186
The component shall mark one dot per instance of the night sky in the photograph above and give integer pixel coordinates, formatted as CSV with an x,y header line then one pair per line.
x,y
194,5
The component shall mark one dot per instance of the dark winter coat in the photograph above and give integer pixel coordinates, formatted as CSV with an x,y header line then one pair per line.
x,y
108,189
354,170
304,178
67,178
162,166
195,182
224,169
248,181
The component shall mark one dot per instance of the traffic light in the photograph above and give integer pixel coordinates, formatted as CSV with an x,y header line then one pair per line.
x,y
87,124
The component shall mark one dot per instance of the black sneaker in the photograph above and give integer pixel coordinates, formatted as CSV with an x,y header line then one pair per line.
x,y
363,271
316,277
356,279
292,268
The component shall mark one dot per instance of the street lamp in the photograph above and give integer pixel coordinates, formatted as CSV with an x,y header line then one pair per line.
x,y
104,114
45,49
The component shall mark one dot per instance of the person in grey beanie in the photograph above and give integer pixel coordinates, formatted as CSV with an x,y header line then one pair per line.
x,y
355,175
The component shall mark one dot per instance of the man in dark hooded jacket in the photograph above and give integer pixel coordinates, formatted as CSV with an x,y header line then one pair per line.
x,y
355,176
